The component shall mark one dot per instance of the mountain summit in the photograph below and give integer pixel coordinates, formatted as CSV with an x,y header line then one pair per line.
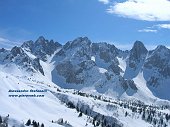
x,y
138,51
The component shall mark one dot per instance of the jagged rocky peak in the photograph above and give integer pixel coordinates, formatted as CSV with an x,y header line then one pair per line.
x,y
30,44
159,58
137,55
161,48
56,44
106,51
138,52
16,50
2,50
20,58
103,46
40,40
27,45
41,47
161,51
80,41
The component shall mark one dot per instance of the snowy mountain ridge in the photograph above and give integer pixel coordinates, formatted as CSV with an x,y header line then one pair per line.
x,y
76,62
96,79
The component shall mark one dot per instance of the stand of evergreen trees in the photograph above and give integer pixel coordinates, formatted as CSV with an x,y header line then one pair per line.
x,y
34,123
149,113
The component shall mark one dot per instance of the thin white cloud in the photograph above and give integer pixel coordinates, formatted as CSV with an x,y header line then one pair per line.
x,y
123,46
7,44
155,28
149,10
148,30
3,40
129,46
152,47
163,26
104,1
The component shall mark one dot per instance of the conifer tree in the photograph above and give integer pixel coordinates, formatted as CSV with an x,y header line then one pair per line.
x,y
28,122
0,119
143,115
80,114
42,125
126,113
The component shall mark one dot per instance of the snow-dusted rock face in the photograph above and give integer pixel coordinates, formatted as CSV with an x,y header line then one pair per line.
x,y
156,71
18,57
154,65
88,64
159,60
100,66
108,86
137,54
135,60
37,66
105,51
41,47
3,54
70,72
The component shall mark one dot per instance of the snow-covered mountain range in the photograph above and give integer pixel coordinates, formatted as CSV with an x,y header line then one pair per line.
x,y
110,80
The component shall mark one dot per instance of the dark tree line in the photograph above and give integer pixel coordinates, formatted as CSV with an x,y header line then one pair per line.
x,y
149,113
34,123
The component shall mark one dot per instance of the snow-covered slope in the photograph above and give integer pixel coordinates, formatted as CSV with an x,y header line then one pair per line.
x,y
58,103
42,109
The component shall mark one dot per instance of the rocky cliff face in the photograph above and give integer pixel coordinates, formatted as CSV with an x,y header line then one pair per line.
x,y
135,60
41,47
88,64
159,61
156,70
20,58
137,54
154,65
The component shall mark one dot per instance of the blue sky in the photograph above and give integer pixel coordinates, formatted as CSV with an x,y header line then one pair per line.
x,y
120,22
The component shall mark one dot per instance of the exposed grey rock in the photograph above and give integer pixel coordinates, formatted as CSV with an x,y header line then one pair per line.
x,y
106,51
76,66
137,54
70,72
37,66
20,58
41,47
16,51
115,68
158,63
87,64
2,50
128,84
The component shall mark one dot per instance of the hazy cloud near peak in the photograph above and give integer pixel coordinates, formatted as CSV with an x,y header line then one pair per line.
x,y
7,44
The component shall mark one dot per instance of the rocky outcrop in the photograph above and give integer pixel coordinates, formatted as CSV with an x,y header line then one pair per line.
x,y
41,47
